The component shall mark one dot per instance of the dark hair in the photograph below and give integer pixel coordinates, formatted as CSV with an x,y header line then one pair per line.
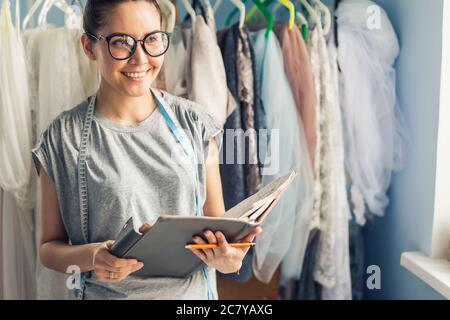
x,y
95,11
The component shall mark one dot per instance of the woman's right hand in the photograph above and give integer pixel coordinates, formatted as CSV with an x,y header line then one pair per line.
x,y
109,268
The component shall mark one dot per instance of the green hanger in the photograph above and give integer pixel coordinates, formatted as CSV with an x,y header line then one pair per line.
x,y
263,8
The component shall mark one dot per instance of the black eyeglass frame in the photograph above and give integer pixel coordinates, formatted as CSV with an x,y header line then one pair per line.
x,y
142,42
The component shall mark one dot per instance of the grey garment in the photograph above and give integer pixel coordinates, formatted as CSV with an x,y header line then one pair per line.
x,y
305,288
137,171
357,260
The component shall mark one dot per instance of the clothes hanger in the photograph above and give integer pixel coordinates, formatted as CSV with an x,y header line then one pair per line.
x,y
312,13
239,5
7,18
172,14
189,10
30,13
60,4
261,6
327,16
290,6
286,3
303,25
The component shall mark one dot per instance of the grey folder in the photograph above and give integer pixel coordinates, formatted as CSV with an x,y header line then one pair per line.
x,y
162,248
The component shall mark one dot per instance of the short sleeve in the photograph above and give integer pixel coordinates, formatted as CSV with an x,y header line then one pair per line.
x,y
41,154
210,130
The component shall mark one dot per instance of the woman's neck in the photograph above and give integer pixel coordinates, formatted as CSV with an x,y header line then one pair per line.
x,y
124,109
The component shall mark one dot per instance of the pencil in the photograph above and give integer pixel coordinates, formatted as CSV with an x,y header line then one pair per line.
x,y
214,246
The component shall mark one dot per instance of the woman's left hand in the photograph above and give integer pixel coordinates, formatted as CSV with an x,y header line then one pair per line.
x,y
225,259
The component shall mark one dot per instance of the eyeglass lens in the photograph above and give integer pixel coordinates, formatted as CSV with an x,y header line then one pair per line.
x,y
124,46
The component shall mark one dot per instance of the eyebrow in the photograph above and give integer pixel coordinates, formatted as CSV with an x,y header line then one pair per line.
x,y
128,34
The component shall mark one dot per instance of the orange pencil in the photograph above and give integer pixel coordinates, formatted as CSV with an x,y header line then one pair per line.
x,y
214,246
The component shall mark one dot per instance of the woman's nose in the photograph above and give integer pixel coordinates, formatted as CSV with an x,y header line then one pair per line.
x,y
139,56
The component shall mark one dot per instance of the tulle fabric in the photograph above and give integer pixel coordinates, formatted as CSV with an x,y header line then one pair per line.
x,y
60,76
15,117
375,131
286,228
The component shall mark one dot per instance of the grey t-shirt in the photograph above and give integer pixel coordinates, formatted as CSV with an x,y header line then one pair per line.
x,y
134,171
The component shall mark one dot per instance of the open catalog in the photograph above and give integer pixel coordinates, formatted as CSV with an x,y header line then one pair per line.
x,y
162,248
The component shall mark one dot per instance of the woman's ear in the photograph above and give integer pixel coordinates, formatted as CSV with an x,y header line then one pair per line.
x,y
88,46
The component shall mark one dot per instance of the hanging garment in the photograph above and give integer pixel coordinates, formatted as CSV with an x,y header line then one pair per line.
x,y
342,289
231,170
357,260
324,207
119,168
18,281
15,118
17,252
194,68
306,288
60,75
286,228
297,66
240,172
375,131
2,274
175,65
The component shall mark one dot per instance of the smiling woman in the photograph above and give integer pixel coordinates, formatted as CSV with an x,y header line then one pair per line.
x,y
123,164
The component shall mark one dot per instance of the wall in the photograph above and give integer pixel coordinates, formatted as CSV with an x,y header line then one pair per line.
x,y
408,222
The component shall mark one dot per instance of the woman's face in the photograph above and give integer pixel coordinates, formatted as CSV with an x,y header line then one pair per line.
x,y
134,76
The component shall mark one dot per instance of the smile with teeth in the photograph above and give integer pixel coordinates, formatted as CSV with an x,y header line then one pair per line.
x,y
136,75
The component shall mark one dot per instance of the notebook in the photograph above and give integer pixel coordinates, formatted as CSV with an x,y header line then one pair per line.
x,y
162,248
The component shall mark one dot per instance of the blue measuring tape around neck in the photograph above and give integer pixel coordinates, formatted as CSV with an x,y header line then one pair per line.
x,y
189,151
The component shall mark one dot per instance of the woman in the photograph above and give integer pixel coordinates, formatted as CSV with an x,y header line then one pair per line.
x,y
116,155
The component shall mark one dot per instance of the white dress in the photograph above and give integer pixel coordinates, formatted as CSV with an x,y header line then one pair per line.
x,y
15,118
17,245
375,131
60,77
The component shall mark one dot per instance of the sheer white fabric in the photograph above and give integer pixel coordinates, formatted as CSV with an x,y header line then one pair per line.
x,y
375,131
286,228
17,243
18,263
60,76
15,118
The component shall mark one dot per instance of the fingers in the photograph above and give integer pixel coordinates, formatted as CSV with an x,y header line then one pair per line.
x,y
110,276
224,247
209,253
251,236
200,254
115,262
145,227
109,244
109,268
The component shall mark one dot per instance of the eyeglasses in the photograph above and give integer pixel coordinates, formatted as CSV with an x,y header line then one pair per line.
x,y
123,46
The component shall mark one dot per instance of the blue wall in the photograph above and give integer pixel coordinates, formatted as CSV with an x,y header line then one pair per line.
x,y
408,222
